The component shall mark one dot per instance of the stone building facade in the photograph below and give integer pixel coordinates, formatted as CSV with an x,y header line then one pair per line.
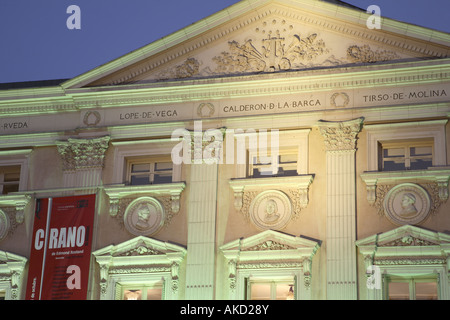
x,y
276,149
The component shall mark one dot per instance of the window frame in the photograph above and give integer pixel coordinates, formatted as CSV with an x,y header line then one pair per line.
x,y
411,280
148,281
19,158
152,161
273,281
282,151
157,148
416,130
3,172
406,145
288,139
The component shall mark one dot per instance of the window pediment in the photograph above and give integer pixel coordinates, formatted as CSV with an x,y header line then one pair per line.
x,y
11,271
273,244
140,255
270,250
405,245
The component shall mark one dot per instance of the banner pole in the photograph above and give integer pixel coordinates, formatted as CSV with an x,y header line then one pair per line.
x,y
47,227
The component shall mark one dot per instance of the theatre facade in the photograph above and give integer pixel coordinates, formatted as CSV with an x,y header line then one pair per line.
x,y
278,149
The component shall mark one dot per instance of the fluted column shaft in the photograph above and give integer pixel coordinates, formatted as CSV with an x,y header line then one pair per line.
x,y
340,142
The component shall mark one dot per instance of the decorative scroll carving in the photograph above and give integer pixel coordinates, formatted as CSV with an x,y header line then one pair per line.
x,y
275,52
189,68
232,268
78,154
12,213
141,249
11,272
408,240
269,245
410,261
364,54
340,136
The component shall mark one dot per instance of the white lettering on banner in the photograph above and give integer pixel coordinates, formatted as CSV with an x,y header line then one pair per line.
x,y
61,238
74,280
38,240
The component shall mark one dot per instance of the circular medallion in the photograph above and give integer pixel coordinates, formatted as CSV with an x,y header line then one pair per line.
x,y
407,203
4,225
144,216
270,209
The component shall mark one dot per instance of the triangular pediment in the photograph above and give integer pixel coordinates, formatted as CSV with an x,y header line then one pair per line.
x,y
10,263
140,250
406,236
270,244
266,36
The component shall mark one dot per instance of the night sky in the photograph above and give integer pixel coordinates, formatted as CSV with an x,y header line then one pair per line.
x,y
37,45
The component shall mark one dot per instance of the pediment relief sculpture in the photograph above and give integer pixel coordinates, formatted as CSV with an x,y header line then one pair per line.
x,y
268,36
276,44
405,245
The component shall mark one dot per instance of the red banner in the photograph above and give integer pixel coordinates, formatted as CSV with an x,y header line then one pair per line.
x,y
61,248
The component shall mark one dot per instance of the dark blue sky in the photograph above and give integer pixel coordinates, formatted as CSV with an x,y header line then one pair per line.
x,y
36,44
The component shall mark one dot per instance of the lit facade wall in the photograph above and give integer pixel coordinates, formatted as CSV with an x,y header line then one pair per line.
x,y
179,148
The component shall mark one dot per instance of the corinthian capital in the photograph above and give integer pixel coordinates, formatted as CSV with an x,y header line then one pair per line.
x,y
340,136
83,153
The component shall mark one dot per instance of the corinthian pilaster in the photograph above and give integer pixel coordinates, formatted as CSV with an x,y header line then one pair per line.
x,y
340,136
202,212
82,160
340,142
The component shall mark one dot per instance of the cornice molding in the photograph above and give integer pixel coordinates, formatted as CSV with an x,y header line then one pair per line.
x,y
295,82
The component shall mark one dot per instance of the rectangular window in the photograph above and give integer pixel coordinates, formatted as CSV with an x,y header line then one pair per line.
x,y
284,164
143,292
412,289
149,171
9,179
405,155
270,289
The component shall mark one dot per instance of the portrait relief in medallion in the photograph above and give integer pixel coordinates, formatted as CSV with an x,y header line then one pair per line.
x,y
407,203
271,209
144,216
